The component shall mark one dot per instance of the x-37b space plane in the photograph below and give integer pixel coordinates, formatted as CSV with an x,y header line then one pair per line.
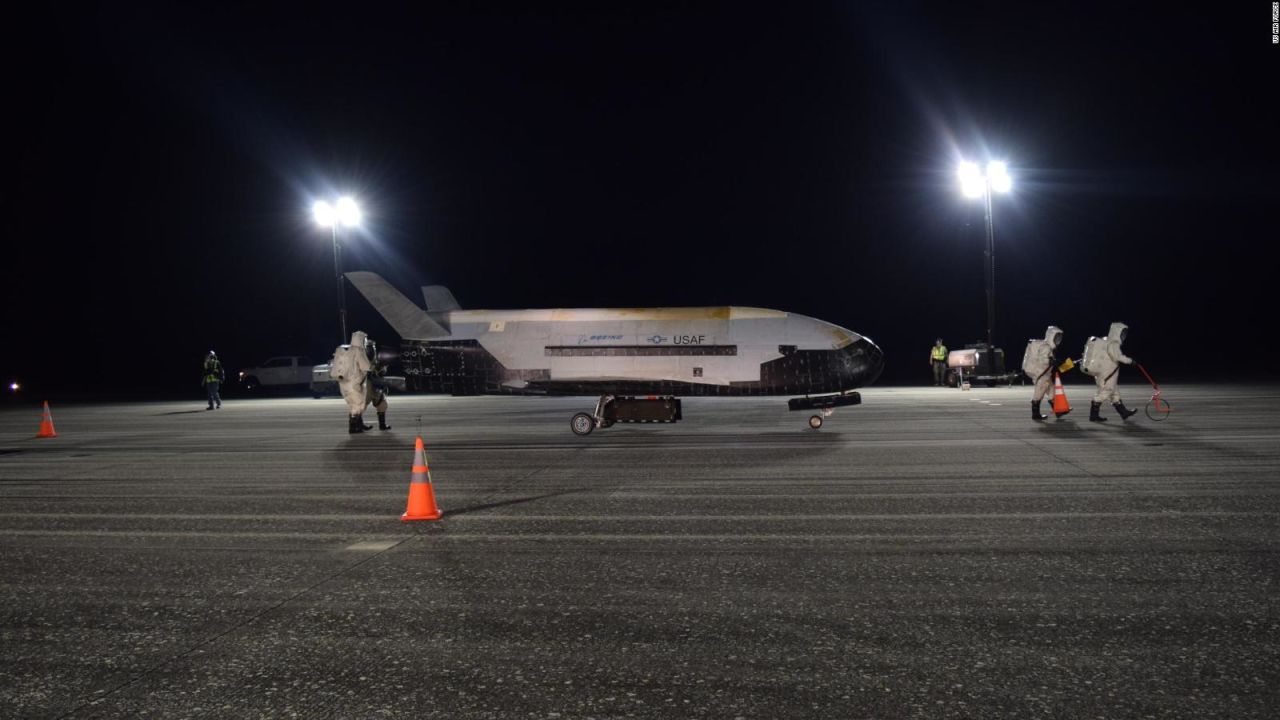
x,y
637,360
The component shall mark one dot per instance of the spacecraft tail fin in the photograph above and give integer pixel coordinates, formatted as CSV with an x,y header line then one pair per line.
x,y
406,318
439,299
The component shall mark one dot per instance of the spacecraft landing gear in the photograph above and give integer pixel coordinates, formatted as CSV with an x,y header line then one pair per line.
x,y
612,409
825,405
815,421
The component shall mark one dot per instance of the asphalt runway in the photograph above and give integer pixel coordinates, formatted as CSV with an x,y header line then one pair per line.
x,y
931,553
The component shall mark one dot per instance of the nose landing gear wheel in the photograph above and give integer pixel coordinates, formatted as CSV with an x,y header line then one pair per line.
x,y
815,422
582,424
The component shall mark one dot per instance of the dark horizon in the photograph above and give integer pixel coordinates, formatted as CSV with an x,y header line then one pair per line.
x,y
638,156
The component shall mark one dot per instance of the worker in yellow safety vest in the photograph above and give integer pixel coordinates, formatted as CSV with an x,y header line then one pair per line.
x,y
938,359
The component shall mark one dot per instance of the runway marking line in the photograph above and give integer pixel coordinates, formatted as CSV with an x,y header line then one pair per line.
x,y
372,545
381,545
470,517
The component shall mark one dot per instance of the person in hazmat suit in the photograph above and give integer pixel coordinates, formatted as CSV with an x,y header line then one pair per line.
x,y
1102,359
214,376
349,366
1038,363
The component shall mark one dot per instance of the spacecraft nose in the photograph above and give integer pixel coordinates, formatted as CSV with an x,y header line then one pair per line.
x,y
863,361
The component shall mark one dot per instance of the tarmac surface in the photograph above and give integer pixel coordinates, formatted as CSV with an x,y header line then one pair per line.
x,y
931,553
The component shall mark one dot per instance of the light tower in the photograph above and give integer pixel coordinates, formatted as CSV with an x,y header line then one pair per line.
x,y
346,213
976,185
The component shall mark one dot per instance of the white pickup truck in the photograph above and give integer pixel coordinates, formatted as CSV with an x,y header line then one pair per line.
x,y
289,372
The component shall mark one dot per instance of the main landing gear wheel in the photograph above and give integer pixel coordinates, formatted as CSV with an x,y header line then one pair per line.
x,y
582,424
815,422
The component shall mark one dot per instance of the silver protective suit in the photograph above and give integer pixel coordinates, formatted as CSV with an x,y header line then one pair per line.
x,y
1106,367
1038,363
350,366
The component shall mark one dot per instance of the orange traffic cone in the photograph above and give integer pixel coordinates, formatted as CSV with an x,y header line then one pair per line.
x,y
1060,405
46,424
422,497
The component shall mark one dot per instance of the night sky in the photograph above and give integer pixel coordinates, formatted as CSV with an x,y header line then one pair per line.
x,y
161,164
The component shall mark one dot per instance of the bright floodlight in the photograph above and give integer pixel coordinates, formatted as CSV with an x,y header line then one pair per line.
x,y
998,174
14,387
348,212
324,213
972,184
